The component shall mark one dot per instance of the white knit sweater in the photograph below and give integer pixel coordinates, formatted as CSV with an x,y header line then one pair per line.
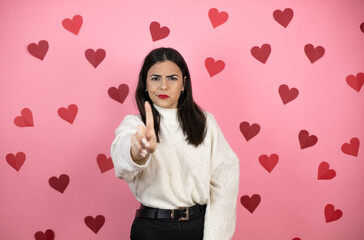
x,y
180,174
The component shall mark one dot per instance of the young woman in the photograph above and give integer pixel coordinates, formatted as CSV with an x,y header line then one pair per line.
x,y
175,158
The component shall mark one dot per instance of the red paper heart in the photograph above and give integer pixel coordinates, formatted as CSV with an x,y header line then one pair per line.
x,y
355,82
362,27
119,94
352,148
283,18
158,32
268,162
249,131
250,203
306,140
48,235
331,214
214,67
287,94
39,51
73,25
324,173
68,114
16,161
296,238
105,164
262,53
26,118
95,224
95,58
217,18
314,54
60,184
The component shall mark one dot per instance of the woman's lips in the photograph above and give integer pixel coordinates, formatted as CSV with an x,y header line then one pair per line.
x,y
162,96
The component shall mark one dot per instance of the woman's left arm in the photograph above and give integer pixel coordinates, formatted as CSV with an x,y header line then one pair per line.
x,y
220,215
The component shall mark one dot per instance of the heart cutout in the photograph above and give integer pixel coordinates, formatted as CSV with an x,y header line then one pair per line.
x,y
306,140
26,118
157,31
313,53
287,94
217,18
261,54
105,164
269,162
250,203
362,27
355,82
119,94
38,50
95,57
95,224
283,18
249,131
351,148
324,173
331,214
48,235
214,67
73,25
16,161
60,184
68,114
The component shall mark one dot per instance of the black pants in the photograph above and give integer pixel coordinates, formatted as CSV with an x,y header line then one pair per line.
x,y
165,229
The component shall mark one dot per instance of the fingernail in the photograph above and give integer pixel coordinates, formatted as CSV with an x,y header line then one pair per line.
x,y
144,152
142,155
144,141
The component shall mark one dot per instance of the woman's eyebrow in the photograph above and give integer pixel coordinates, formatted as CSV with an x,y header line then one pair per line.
x,y
157,75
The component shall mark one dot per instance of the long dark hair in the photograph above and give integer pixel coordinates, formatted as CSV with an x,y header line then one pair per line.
x,y
190,116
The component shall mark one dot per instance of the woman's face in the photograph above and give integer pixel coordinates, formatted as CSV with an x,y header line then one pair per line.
x,y
165,83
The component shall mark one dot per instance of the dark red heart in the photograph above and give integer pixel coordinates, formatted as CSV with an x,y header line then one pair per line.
x,y
351,148
249,131
283,18
73,25
119,94
95,224
287,94
331,214
214,67
105,164
306,140
16,161
60,184
217,18
355,82
68,114
26,118
157,31
362,27
250,203
38,50
324,173
95,58
269,162
314,54
48,235
262,53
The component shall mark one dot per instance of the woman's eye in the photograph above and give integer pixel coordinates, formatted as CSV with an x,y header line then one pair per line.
x,y
173,78
154,79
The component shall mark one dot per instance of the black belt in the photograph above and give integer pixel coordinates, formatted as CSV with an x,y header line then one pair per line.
x,y
180,214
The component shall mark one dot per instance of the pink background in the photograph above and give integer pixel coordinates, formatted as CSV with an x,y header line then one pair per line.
x,y
292,198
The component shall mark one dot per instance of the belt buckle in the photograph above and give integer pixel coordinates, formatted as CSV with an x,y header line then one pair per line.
x,y
186,212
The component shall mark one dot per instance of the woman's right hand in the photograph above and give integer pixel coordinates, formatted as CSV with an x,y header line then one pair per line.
x,y
144,142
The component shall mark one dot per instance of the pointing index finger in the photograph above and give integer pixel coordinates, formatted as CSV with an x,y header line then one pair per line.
x,y
148,115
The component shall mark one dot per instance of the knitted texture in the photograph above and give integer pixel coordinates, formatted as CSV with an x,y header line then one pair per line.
x,y
180,174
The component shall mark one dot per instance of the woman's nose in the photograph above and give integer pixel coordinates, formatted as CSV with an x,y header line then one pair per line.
x,y
164,84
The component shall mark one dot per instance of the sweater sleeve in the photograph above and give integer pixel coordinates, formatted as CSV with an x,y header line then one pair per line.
x,y
220,216
124,166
